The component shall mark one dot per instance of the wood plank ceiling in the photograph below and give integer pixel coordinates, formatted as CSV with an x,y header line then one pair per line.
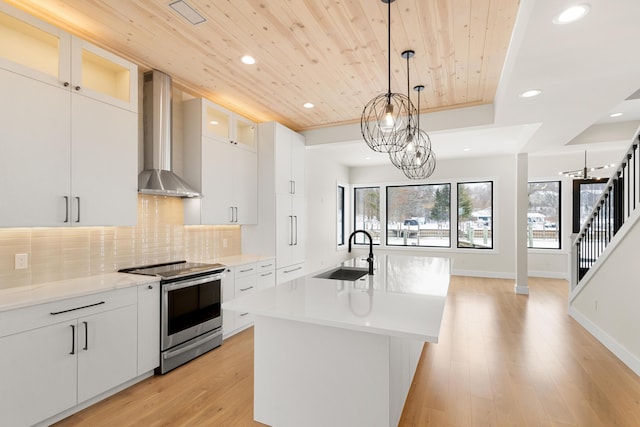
x,y
332,53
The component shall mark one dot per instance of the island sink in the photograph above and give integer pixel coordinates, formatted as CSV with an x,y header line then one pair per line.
x,y
343,273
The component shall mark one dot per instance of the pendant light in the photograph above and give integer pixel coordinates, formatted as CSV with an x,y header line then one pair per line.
x,y
387,113
411,154
423,163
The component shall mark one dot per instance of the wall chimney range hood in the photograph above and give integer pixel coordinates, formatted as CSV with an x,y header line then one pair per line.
x,y
157,177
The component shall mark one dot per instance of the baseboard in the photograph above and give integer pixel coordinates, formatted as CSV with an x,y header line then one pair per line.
x,y
550,274
628,358
486,274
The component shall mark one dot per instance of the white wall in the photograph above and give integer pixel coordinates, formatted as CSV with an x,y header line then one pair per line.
x,y
323,174
607,305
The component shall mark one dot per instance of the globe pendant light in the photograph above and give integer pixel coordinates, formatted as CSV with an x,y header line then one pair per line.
x,y
422,163
387,113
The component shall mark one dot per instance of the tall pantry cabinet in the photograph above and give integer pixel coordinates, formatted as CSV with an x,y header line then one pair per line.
x,y
281,229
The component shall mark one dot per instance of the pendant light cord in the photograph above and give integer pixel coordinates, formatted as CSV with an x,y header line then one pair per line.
x,y
389,46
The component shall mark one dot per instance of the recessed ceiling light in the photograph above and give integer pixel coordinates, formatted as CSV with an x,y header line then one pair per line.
x,y
367,158
531,93
467,149
308,105
572,14
615,114
248,59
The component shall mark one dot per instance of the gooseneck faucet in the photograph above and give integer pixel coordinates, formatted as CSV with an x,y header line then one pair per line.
x,y
370,258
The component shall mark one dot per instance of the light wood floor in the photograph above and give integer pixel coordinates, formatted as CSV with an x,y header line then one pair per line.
x,y
502,360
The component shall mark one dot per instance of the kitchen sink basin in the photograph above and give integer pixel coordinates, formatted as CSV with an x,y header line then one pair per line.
x,y
343,273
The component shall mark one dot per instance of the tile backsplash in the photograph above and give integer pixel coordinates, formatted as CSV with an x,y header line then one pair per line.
x,y
69,252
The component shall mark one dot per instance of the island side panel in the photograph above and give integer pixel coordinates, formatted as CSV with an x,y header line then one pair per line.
x,y
314,375
404,357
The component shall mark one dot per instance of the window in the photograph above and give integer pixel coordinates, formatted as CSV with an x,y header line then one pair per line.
x,y
340,219
543,215
586,193
419,215
475,215
367,213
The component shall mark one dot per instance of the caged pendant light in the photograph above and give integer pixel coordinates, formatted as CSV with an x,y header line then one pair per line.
x,y
412,153
422,163
387,113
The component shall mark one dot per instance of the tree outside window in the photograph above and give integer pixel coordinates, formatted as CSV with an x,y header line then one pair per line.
x,y
418,215
367,213
475,215
543,215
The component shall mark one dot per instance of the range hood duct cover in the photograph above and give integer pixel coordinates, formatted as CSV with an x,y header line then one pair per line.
x,y
157,176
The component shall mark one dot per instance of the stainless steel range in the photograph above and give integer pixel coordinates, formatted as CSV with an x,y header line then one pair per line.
x,y
190,309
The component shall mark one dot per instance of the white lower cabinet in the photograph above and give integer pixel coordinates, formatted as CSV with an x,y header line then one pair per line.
x,y
148,327
241,280
39,376
57,355
107,350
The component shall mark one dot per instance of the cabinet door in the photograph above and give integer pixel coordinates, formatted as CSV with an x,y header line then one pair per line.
x,y
297,163
284,230
282,159
103,76
228,293
107,350
245,184
216,122
104,164
34,153
148,327
38,374
33,48
217,181
298,211
245,133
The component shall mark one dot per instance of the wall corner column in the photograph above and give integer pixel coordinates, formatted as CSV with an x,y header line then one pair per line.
x,y
522,206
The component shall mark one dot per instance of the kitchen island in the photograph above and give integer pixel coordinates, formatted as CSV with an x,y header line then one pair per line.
x,y
340,352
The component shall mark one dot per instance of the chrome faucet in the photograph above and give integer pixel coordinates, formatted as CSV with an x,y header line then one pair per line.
x,y
370,258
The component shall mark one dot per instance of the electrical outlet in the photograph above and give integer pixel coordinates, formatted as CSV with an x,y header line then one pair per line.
x,y
21,261
224,243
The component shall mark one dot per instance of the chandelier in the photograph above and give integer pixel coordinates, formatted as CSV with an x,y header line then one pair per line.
x,y
388,113
416,159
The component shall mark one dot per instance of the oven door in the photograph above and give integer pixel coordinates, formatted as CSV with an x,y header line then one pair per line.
x,y
190,307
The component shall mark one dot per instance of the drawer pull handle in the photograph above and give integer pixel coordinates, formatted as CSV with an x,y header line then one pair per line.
x,y
243,314
292,270
266,274
73,339
86,336
76,308
248,269
246,289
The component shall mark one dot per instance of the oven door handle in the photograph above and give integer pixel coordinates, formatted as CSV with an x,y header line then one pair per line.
x,y
185,284
199,342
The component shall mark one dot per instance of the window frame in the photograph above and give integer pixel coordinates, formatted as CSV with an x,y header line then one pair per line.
x,y
355,205
340,215
386,221
559,222
457,207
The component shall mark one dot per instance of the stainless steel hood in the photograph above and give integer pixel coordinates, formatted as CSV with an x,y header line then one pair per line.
x,y
157,176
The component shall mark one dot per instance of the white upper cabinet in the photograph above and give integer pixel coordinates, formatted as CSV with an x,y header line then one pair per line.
x,y
225,172
223,125
289,170
43,52
69,154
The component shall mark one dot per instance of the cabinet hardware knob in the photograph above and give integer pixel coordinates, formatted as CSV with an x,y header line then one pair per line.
x,y
150,287
77,88
65,84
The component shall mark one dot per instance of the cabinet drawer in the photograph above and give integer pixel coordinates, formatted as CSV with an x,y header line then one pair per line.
x,y
266,265
266,279
243,319
291,272
24,319
245,285
245,270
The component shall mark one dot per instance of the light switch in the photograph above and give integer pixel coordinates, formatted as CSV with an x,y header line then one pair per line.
x,y
21,261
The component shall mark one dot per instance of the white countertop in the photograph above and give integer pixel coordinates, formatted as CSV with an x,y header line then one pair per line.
x,y
24,296
405,297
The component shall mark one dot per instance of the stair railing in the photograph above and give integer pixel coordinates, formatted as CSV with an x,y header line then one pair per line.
x,y
619,199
